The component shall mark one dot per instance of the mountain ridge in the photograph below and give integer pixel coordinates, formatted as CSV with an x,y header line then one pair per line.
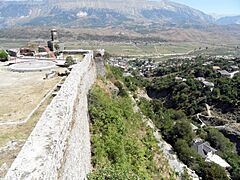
x,y
96,13
228,20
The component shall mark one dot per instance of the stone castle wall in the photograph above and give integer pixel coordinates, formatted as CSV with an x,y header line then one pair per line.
x,y
59,145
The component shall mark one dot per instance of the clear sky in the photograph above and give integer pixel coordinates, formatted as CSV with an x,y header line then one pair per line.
x,y
224,7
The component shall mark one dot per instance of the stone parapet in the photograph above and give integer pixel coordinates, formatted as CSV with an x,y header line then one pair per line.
x,y
59,145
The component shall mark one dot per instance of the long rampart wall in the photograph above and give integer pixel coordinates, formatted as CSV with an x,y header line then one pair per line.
x,y
59,145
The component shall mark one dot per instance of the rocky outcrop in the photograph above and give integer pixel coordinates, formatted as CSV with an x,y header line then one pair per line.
x,y
59,146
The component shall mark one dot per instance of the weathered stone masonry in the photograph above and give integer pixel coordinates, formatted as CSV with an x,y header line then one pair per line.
x,y
59,146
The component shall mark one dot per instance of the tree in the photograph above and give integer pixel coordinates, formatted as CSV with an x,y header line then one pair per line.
x,y
181,130
178,115
234,160
186,154
219,141
212,171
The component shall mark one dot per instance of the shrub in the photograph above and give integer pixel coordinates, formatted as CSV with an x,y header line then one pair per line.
x,y
212,171
181,130
219,141
121,146
186,154
3,56
69,61
122,91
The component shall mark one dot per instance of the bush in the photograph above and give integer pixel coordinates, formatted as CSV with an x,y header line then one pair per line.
x,y
219,141
3,56
186,154
122,91
234,160
181,130
112,173
117,72
212,171
69,61
121,146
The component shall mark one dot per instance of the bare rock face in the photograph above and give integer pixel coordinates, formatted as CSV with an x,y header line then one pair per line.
x,y
100,66
100,62
59,146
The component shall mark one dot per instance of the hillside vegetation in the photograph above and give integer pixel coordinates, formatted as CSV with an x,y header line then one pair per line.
x,y
122,146
178,97
3,56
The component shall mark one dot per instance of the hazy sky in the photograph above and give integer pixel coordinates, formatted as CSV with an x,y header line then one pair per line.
x,y
214,6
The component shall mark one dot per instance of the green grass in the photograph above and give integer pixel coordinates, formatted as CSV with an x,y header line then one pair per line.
x,y
122,146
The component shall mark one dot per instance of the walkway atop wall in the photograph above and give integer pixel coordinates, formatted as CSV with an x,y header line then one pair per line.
x,y
59,145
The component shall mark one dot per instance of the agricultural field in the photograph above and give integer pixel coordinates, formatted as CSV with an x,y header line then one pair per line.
x,y
157,50
130,49
13,43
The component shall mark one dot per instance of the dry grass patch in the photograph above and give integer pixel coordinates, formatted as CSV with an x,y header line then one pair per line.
x,y
16,133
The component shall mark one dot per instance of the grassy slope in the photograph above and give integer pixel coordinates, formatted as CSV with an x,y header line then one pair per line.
x,y
122,146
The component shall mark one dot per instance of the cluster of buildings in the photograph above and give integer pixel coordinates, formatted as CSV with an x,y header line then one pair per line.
x,y
144,67
229,71
120,62
229,68
147,67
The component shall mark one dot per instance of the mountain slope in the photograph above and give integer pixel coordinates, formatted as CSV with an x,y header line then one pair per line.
x,y
229,20
100,13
